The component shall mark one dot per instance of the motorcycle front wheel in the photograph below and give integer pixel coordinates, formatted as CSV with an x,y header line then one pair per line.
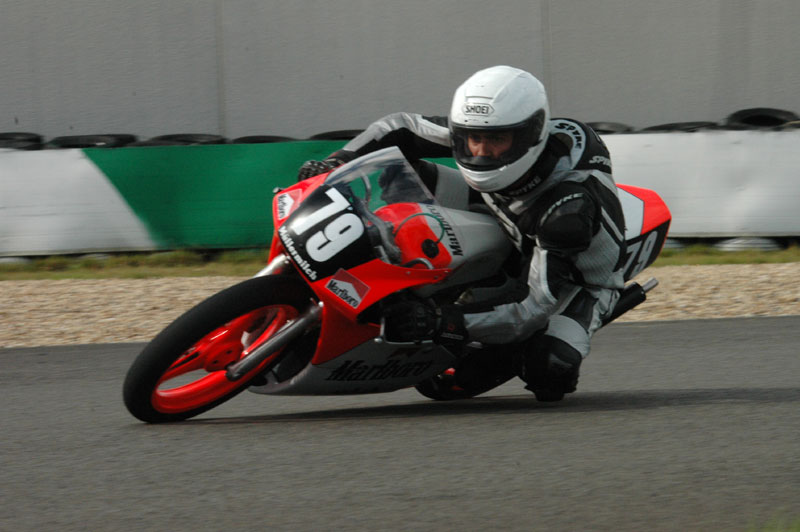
x,y
181,372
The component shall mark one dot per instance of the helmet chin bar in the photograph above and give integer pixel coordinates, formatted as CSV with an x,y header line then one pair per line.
x,y
482,163
496,180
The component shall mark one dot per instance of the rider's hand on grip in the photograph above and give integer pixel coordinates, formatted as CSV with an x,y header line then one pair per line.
x,y
418,321
314,168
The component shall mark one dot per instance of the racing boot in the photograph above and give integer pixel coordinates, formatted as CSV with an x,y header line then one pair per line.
x,y
549,366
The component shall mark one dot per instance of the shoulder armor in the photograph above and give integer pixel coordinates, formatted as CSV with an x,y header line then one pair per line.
x,y
587,149
568,223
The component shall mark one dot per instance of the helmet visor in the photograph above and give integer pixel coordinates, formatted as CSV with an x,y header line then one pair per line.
x,y
483,149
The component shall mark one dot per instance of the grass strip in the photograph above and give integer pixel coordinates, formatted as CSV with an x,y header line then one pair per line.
x,y
244,263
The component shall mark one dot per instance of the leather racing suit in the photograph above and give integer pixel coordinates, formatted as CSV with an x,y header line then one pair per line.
x,y
565,218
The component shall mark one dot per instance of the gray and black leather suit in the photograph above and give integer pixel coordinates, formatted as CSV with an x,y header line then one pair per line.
x,y
565,217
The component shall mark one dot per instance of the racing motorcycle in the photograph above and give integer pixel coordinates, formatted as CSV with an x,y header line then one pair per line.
x,y
346,245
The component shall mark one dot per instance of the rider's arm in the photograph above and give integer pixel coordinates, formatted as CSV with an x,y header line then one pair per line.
x,y
417,136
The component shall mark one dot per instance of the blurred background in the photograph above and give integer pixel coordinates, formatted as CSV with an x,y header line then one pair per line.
x,y
262,67
256,74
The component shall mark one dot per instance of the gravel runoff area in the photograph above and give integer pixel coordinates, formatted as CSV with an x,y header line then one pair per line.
x,y
38,313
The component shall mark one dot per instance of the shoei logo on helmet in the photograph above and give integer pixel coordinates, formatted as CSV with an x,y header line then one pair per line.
x,y
480,109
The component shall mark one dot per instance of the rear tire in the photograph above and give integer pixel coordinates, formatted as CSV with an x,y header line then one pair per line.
x,y
477,373
444,388
548,396
204,341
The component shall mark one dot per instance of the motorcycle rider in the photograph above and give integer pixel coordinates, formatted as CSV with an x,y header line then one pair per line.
x,y
548,182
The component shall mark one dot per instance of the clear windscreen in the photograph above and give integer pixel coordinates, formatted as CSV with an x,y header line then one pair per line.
x,y
382,178
374,182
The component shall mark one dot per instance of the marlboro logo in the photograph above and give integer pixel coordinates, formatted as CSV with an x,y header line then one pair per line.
x,y
286,203
360,370
347,288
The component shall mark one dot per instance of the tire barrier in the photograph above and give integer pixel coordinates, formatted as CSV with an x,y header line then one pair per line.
x,y
674,243
610,128
20,141
20,136
19,145
680,126
261,139
748,244
760,117
340,134
192,138
794,124
744,119
156,142
90,141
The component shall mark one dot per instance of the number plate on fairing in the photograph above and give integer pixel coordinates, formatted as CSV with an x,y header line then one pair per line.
x,y
323,234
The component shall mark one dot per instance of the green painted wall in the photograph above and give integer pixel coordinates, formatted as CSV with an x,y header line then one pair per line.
x,y
216,196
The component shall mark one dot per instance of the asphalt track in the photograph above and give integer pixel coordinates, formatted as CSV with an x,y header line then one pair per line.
x,y
690,425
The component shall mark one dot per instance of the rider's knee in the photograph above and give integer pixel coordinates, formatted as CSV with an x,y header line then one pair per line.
x,y
549,363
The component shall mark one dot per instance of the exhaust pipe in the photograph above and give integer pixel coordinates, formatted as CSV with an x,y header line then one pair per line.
x,y
631,296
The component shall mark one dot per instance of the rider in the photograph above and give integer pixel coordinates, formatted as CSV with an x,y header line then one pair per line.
x,y
548,182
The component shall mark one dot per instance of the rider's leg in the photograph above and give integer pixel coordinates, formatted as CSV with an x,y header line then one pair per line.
x,y
549,362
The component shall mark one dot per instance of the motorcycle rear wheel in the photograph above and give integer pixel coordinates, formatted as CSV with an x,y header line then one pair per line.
x,y
486,369
181,372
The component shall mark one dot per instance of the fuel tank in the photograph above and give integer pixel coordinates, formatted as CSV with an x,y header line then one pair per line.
x,y
475,242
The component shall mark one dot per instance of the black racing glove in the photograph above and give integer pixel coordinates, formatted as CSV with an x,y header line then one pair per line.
x,y
418,321
314,168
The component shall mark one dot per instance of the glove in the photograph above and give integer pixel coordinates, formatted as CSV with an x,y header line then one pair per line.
x,y
417,321
314,168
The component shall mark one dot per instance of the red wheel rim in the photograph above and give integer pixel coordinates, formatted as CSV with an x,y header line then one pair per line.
x,y
203,364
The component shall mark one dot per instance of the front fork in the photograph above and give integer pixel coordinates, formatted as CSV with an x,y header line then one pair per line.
x,y
290,331
275,266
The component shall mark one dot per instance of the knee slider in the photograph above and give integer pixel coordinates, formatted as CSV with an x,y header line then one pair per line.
x,y
552,364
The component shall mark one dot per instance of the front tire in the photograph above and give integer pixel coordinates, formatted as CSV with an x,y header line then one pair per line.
x,y
181,372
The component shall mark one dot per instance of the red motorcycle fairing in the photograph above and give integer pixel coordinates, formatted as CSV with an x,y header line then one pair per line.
x,y
303,232
412,230
284,203
367,368
288,199
346,293
644,210
346,359
647,221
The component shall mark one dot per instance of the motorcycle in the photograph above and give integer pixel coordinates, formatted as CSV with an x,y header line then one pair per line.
x,y
347,244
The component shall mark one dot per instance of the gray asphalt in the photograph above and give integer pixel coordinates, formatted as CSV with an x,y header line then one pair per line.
x,y
691,425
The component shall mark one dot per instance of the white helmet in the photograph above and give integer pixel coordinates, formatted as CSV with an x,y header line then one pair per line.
x,y
494,100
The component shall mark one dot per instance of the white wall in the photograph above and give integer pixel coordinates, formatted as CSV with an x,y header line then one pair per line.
x,y
240,67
